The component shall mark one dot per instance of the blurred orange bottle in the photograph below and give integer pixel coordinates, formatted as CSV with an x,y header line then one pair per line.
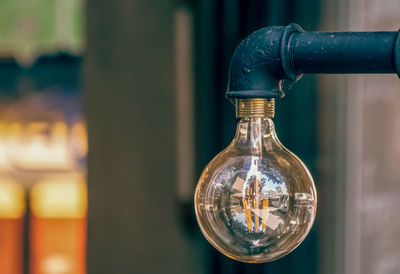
x,y
58,227
12,212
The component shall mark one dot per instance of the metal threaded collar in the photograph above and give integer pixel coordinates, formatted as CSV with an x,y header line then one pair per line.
x,y
255,107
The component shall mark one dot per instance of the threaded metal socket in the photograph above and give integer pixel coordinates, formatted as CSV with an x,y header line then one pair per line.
x,y
255,107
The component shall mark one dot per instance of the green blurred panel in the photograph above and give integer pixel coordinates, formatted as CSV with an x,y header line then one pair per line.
x,y
27,20
29,28
77,30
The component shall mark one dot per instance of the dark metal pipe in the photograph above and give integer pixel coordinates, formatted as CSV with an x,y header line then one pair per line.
x,y
342,52
273,58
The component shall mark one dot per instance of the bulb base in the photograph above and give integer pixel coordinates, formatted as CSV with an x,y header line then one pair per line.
x,y
255,107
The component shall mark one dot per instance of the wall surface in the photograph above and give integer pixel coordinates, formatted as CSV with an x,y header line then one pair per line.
x,y
373,189
361,154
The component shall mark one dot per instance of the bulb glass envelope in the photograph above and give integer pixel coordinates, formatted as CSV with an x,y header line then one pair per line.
x,y
255,201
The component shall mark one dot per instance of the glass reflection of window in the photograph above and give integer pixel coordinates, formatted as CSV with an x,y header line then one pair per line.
x,y
12,212
43,147
58,226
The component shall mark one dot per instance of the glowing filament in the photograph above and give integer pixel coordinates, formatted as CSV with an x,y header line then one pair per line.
x,y
253,213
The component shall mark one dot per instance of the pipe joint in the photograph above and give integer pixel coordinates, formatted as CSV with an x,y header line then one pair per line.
x,y
269,61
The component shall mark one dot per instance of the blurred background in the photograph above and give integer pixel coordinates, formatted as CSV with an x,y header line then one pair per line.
x,y
142,83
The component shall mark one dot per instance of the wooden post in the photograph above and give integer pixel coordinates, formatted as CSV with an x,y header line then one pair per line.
x,y
133,223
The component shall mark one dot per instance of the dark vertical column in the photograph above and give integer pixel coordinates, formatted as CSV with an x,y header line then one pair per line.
x,y
133,225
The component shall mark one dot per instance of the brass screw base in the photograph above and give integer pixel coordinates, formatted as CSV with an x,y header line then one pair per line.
x,y
255,107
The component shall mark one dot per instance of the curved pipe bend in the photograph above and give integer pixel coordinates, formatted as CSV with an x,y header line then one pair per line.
x,y
270,60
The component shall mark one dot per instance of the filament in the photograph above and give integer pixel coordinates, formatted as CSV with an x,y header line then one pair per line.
x,y
254,214
247,213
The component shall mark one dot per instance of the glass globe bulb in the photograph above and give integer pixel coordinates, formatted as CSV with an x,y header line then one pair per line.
x,y
255,201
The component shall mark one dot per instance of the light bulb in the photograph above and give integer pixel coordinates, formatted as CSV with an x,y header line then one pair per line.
x,y
255,201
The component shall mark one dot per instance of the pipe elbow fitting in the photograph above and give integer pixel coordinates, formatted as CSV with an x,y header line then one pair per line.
x,y
260,66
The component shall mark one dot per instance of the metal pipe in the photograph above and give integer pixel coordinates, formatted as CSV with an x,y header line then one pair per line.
x,y
267,62
343,52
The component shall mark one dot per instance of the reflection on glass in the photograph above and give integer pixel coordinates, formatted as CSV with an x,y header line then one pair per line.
x,y
43,132
12,212
59,197
255,201
58,226
42,146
